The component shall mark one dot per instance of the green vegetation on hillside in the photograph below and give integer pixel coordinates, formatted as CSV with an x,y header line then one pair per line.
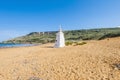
x,y
72,35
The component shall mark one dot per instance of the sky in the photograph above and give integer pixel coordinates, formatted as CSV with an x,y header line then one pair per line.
x,y
20,17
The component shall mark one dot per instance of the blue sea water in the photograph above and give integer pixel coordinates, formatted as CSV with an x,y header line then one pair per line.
x,y
14,45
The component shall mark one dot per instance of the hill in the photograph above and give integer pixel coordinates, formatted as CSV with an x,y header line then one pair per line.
x,y
71,35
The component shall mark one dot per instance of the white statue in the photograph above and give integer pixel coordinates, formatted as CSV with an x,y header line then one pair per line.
x,y
60,40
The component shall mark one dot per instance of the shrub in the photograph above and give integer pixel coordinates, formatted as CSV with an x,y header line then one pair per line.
x,y
68,43
80,43
75,43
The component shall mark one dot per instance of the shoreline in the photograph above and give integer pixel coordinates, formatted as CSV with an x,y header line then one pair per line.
x,y
19,45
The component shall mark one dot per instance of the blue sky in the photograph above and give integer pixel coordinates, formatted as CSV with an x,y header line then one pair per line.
x,y
19,17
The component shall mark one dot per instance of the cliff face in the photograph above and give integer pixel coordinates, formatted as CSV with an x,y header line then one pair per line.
x,y
72,35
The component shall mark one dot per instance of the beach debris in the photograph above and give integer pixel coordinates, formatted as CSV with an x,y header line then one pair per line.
x,y
116,66
34,78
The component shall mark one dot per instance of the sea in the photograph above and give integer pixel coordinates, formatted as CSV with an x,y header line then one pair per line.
x,y
5,45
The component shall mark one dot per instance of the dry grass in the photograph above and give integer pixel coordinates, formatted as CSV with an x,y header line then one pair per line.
x,y
94,61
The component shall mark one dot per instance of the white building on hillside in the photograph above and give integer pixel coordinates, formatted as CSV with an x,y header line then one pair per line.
x,y
60,40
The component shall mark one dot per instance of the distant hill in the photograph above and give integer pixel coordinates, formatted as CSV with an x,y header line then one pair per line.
x,y
71,35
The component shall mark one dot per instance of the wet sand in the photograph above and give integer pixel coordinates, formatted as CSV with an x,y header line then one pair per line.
x,y
96,60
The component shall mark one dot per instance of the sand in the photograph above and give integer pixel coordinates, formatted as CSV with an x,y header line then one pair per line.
x,y
96,60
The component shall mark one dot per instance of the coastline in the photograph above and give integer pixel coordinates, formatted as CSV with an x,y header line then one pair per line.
x,y
15,45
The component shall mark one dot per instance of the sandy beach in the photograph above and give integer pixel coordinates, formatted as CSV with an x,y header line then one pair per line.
x,y
96,60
